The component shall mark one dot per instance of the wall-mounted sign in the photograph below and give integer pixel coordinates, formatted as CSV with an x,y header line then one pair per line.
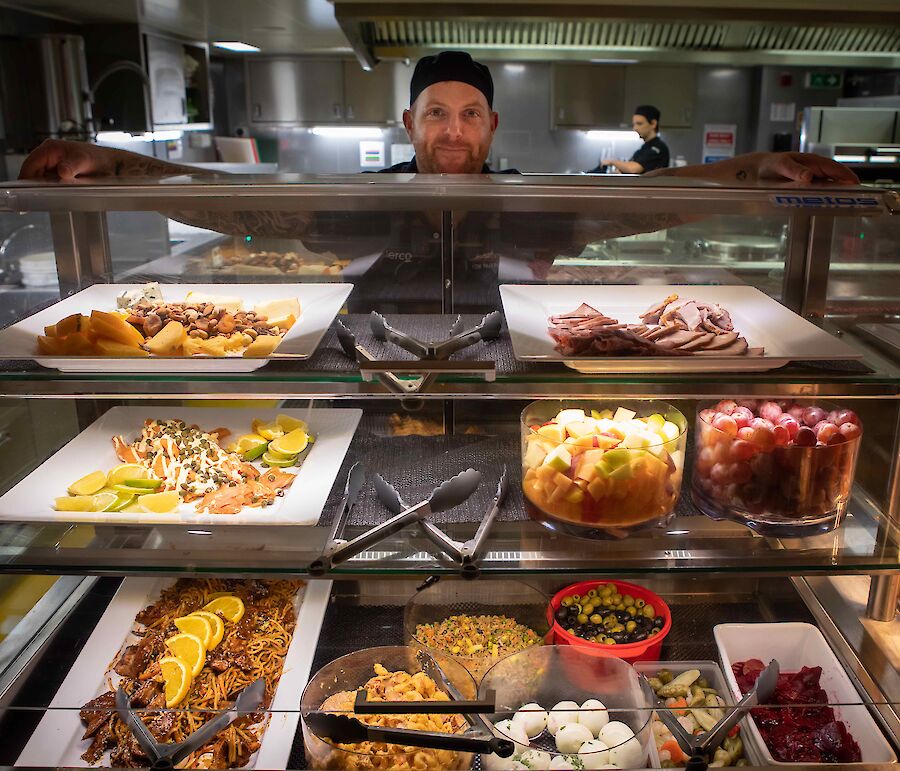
x,y
371,155
719,140
782,112
824,80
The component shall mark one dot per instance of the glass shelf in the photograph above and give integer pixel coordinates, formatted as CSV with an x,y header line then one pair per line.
x,y
691,543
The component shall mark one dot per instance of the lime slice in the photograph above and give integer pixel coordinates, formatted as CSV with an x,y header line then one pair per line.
x,y
88,485
255,452
75,503
144,484
248,442
269,460
127,471
280,455
121,502
129,490
105,501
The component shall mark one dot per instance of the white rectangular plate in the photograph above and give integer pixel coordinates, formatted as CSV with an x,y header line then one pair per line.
x,y
795,645
760,319
56,742
319,304
31,500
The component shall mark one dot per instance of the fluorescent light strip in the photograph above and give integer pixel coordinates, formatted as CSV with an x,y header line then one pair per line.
x,y
236,45
850,158
883,159
612,136
888,149
147,136
358,132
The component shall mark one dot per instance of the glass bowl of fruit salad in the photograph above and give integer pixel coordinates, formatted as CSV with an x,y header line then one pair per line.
x,y
782,468
602,470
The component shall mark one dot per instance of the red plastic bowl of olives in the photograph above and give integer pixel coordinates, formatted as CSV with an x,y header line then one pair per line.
x,y
611,618
783,469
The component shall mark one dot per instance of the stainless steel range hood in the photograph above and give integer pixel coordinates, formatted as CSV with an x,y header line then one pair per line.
x,y
869,35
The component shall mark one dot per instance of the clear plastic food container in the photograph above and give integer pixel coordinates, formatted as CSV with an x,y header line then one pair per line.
x,y
713,674
777,478
541,678
327,690
477,623
602,469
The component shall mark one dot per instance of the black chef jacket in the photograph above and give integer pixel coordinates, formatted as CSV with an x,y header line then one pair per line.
x,y
652,155
406,274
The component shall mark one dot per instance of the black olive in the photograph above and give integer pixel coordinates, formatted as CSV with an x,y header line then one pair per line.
x,y
659,621
561,616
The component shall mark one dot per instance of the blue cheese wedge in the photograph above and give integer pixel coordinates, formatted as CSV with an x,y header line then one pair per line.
x,y
149,292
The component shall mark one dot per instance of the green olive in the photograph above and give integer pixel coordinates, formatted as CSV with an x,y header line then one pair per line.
x,y
589,608
570,631
576,598
596,618
598,638
630,626
592,593
611,587
566,601
639,603
628,600
649,611
617,598
618,628
582,618
609,641
631,610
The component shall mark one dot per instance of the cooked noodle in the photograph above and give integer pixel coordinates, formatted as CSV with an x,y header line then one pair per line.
x,y
254,647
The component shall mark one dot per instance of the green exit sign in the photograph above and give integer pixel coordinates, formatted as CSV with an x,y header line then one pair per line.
x,y
824,79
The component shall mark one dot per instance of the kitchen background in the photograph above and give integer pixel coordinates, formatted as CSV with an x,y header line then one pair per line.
x,y
148,75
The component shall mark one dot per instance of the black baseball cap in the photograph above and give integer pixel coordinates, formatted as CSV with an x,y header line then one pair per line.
x,y
648,111
451,65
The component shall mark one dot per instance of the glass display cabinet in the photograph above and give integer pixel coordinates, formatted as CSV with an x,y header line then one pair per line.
x,y
555,432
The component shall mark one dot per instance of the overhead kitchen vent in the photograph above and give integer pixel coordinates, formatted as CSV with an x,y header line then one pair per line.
x,y
558,34
866,35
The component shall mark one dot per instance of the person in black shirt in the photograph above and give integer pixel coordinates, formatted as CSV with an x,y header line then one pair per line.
x,y
652,155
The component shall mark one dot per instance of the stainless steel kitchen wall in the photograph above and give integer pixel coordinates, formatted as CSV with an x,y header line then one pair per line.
x,y
524,139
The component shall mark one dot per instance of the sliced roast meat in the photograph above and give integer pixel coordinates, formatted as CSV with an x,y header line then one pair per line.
x,y
721,340
699,343
652,314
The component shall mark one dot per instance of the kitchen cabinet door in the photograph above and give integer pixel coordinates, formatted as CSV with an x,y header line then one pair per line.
x,y
672,90
587,96
295,90
165,65
369,97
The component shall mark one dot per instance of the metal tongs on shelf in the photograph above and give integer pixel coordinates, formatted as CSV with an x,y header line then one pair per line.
x,y
700,747
477,738
466,553
437,351
447,495
164,757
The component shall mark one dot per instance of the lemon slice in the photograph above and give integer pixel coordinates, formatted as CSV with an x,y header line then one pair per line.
x,y
216,624
199,626
291,444
160,503
268,430
127,471
231,608
178,680
88,485
75,503
105,501
190,649
289,424
248,442
280,455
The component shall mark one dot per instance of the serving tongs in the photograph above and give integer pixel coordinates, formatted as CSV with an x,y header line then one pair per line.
x,y
165,757
700,747
466,553
477,738
447,495
487,329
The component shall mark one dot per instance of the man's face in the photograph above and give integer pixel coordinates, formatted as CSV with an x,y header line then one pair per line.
x,y
451,128
643,127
